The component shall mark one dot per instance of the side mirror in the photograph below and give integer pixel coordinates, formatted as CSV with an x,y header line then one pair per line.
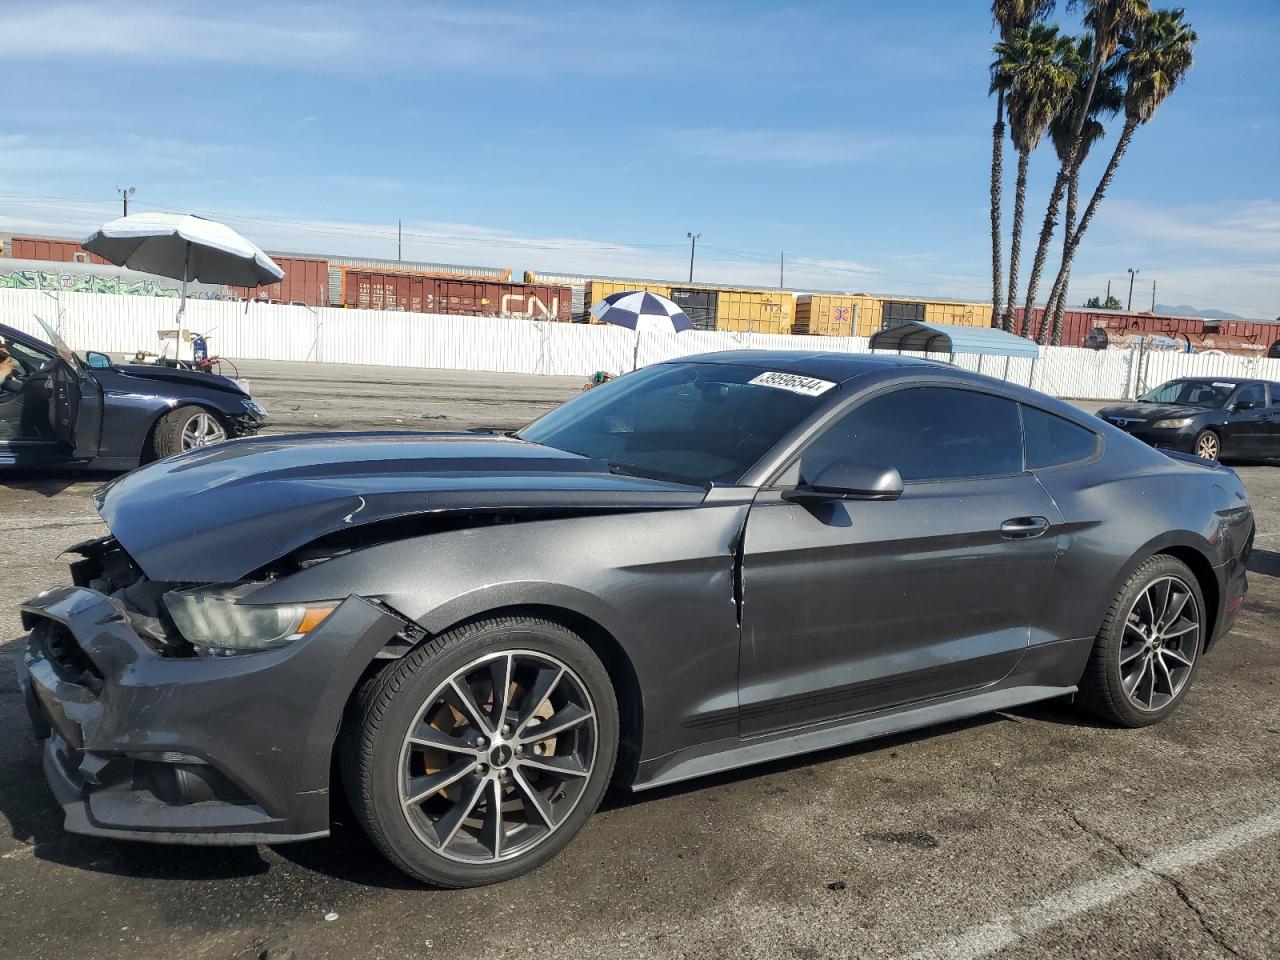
x,y
842,480
97,361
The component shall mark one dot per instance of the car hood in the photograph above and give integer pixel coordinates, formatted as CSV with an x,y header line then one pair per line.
x,y
219,513
176,375
1151,411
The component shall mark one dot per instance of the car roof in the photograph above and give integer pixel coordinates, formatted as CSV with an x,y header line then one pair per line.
x,y
836,367
1238,381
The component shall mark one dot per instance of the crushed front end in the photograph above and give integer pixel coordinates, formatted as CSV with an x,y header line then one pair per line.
x,y
147,736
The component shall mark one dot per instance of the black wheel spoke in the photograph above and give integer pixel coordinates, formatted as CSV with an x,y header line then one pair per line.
x,y
563,767
500,672
464,701
447,826
425,735
544,683
536,805
491,831
420,788
566,718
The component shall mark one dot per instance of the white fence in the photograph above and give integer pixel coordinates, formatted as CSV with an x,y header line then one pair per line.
x,y
258,331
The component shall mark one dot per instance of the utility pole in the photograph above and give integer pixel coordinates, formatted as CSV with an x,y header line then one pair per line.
x,y
1132,273
125,194
693,248
782,269
399,239
1153,296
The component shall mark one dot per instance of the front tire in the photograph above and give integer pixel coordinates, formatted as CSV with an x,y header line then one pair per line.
x,y
1208,445
186,428
459,785
1147,651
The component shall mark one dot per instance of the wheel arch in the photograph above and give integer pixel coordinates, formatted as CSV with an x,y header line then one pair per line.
x,y
617,664
1198,558
1207,580
148,452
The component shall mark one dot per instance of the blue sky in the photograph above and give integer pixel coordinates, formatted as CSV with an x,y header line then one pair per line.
x,y
591,137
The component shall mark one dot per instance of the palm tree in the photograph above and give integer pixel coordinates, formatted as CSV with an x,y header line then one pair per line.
x,y
1156,60
1108,20
1032,68
1072,141
1008,16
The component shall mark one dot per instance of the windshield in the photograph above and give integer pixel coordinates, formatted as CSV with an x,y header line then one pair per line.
x,y
1195,393
690,422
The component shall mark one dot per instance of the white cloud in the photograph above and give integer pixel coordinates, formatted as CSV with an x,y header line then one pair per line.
x,y
1251,228
558,37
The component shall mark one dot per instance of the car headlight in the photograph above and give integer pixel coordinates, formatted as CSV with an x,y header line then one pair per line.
x,y
254,407
1173,424
213,618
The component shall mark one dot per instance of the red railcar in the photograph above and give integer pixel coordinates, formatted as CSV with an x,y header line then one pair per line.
x,y
306,280
54,249
1246,337
418,293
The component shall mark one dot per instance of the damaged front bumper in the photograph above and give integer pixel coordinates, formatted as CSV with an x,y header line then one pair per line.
x,y
206,750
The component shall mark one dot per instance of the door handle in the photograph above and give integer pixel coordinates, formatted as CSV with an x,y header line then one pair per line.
x,y
1023,528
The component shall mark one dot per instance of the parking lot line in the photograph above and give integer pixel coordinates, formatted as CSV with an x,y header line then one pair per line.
x,y
985,939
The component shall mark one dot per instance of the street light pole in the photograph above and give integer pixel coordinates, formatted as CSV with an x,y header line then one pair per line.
x,y
125,194
693,248
1132,273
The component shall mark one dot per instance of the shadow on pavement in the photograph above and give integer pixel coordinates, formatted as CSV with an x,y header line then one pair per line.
x,y
50,483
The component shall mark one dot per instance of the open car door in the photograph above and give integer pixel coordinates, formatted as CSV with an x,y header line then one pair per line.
x,y
75,399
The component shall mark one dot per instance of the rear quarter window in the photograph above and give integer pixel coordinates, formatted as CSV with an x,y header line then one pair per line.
x,y
1052,441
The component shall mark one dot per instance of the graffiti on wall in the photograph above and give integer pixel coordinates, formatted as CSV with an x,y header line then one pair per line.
x,y
92,283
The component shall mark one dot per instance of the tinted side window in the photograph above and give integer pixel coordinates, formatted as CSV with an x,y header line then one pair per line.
x,y
1053,440
927,433
1253,395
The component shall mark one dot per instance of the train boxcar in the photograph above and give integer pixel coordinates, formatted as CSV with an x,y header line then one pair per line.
x,y
835,315
755,311
1201,334
53,249
306,280
415,293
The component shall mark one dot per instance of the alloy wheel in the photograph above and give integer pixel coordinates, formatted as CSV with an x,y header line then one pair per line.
x,y
1160,642
498,757
1207,446
202,430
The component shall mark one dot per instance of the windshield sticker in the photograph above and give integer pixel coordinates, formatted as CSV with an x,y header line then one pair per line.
x,y
1228,386
806,386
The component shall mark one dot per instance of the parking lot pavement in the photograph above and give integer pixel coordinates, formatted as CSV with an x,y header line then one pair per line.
x,y
1034,833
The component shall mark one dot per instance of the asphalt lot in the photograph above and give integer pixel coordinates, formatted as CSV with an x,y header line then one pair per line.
x,y
1035,833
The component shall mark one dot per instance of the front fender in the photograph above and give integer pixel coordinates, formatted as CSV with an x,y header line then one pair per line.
x,y
659,582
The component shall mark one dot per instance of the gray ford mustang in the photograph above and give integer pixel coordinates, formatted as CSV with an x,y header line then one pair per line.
x,y
702,565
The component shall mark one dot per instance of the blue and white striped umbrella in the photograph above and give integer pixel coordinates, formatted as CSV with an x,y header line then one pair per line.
x,y
638,310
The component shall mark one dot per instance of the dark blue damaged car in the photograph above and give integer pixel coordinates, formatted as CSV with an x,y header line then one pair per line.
x,y
60,409
706,564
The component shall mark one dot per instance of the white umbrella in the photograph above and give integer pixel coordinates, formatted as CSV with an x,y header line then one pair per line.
x,y
640,310
184,247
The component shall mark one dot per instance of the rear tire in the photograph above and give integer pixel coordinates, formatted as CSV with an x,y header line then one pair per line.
x,y
422,765
1149,647
186,428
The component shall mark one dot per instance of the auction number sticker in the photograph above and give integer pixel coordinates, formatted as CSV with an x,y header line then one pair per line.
x,y
806,386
